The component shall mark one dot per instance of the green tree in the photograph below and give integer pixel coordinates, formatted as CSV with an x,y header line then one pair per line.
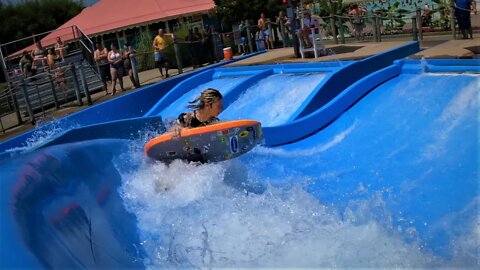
x,y
232,11
35,16
32,17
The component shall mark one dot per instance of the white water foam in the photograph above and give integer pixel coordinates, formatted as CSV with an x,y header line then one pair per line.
x,y
275,99
189,217
43,135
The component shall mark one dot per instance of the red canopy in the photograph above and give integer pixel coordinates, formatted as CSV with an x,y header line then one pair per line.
x,y
109,15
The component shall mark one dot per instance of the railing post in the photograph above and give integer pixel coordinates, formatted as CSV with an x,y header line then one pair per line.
x,y
340,28
54,93
249,36
332,24
270,32
419,23
379,28
375,28
282,33
85,84
40,99
452,19
176,48
76,85
27,101
17,108
133,62
414,29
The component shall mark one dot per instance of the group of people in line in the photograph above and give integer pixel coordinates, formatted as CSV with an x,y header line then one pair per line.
x,y
308,23
358,18
113,65
31,62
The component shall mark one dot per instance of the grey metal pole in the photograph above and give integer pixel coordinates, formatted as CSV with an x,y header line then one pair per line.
x,y
270,32
452,19
177,54
332,24
76,85
54,93
4,66
133,62
414,29
340,28
293,29
85,84
375,28
39,99
282,34
15,105
419,23
379,28
249,36
27,101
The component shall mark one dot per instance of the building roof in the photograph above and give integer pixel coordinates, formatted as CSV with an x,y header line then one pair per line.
x,y
108,16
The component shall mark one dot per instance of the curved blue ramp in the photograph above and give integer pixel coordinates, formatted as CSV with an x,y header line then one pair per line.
x,y
407,152
60,209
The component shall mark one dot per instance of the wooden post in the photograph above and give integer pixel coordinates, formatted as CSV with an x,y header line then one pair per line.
x,y
76,84
452,19
332,24
249,36
414,29
419,23
177,54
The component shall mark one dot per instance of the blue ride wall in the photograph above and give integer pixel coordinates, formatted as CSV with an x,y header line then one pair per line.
x,y
131,105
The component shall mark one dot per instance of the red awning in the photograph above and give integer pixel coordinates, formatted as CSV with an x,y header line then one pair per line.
x,y
109,15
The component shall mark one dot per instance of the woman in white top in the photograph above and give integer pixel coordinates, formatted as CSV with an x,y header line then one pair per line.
x,y
116,67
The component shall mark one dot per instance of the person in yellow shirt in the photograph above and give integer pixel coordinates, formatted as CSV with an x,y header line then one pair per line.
x,y
159,46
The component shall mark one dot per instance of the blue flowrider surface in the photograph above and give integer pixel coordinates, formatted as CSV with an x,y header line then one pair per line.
x,y
391,182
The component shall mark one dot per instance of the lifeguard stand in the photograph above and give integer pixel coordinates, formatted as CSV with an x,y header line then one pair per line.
x,y
318,48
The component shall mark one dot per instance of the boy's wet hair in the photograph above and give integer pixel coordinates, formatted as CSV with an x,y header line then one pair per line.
x,y
208,96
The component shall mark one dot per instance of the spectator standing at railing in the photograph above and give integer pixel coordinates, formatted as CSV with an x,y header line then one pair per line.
x,y
39,54
51,58
159,46
282,19
426,18
26,65
128,54
101,58
263,30
462,13
116,67
358,14
60,48
242,27
207,43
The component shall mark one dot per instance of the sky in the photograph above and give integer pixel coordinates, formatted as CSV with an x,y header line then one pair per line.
x,y
86,2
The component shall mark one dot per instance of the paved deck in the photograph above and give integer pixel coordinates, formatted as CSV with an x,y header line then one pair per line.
x,y
433,46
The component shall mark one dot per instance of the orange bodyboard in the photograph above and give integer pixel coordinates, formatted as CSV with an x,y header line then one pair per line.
x,y
212,143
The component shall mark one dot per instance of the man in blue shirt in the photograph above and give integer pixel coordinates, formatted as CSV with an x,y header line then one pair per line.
x,y
462,12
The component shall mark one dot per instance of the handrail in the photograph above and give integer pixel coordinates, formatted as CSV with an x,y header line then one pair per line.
x,y
85,35
86,47
29,37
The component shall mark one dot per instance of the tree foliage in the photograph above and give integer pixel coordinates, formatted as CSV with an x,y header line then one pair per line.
x,y
232,11
35,16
